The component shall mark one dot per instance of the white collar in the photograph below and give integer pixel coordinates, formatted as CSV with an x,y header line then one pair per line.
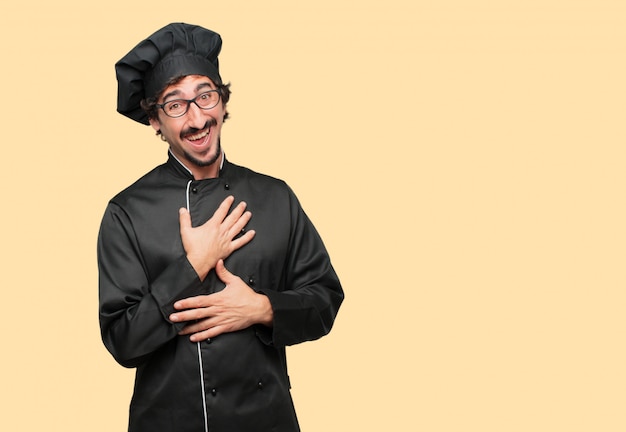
x,y
185,166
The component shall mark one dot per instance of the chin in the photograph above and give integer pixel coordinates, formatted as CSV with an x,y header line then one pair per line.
x,y
206,161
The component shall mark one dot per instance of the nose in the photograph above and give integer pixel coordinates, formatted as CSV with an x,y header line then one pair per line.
x,y
195,116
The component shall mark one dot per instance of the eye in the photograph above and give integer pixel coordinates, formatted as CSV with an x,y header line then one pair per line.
x,y
207,100
174,106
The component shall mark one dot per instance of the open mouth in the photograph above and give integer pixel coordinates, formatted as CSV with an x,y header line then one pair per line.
x,y
198,138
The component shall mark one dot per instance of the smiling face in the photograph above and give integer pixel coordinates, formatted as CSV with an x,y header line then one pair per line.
x,y
194,138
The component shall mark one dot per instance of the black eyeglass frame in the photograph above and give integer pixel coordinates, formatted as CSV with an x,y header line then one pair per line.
x,y
188,103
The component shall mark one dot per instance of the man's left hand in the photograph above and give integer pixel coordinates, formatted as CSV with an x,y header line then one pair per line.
x,y
234,308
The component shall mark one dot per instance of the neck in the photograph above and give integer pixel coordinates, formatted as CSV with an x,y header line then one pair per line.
x,y
206,172
203,172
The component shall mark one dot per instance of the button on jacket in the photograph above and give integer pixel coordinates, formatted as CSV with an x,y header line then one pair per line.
x,y
236,381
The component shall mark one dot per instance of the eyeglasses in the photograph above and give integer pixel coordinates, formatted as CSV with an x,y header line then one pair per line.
x,y
179,107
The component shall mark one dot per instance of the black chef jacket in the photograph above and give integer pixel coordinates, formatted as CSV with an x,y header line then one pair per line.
x,y
236,382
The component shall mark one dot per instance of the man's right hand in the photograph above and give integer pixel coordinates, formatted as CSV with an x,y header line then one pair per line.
x,y
217,238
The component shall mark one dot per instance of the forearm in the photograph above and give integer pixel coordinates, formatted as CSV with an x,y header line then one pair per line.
x,y
132,334
134,315
305,312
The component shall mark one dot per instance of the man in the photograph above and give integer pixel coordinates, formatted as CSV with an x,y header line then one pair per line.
x,y
207,269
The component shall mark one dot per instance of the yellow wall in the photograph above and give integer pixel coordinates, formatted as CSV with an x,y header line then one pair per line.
x,y
464,162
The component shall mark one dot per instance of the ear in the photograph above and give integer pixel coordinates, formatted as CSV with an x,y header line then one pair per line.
x,y
155,124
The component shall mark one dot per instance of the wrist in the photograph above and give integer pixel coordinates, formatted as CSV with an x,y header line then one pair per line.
x,y
266,313
201,266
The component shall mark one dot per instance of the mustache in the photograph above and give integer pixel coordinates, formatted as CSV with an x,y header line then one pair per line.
x,y
191,131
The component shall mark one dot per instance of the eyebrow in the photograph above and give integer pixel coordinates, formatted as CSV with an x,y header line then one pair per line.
x,y
177,92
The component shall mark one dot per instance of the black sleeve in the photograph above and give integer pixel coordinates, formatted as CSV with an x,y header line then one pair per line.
x,y
133,310
307,308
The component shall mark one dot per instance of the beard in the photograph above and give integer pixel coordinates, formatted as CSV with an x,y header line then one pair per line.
x,y
207,162
211,123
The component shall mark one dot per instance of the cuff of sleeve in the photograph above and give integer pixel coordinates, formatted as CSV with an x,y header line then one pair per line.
x,y
284,320
265,334
178,281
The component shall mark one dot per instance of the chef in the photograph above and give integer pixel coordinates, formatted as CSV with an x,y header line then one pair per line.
x,y
207,269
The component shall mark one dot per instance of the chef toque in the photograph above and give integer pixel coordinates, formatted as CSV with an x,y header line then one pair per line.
x,y
177,49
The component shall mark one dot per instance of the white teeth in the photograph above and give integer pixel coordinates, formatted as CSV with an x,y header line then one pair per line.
x,y
199,136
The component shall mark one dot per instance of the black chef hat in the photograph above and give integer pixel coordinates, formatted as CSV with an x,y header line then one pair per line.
x,y
176,49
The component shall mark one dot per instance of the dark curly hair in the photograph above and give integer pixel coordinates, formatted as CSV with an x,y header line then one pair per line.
x,y
149,105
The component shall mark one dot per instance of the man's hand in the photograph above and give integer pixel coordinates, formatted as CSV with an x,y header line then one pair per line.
x,y
215,239
234,308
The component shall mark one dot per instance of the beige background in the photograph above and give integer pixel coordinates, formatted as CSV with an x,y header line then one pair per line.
x,y
463,160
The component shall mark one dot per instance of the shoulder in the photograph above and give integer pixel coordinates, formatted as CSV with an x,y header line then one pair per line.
x,y
157,178
262,187
243,174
